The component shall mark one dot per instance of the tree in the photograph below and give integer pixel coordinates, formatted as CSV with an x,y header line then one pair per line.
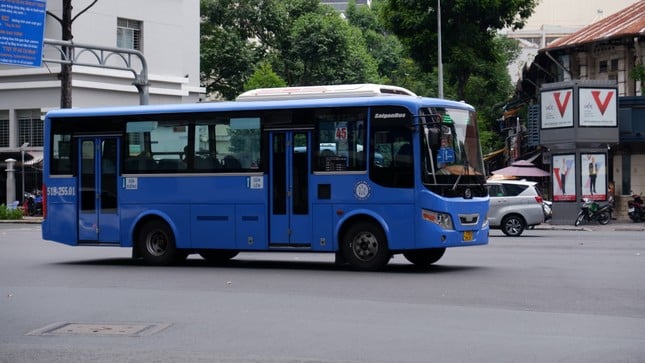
x,y
468,30
326,50
488,89
264,77
305,42
66,22
228,56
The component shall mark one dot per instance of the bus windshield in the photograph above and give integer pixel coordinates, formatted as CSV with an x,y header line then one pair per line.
x,y
451,151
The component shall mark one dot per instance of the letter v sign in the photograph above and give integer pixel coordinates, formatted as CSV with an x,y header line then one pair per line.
x,y
562,106
602,105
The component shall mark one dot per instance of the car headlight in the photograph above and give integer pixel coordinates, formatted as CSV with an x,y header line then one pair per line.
x,y
443,220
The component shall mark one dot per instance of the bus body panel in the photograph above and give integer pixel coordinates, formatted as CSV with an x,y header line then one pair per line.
x,y
251,227
323,227
62,209
212,225
205,220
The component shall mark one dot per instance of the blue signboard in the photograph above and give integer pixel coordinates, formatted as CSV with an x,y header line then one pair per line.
x,y
22,27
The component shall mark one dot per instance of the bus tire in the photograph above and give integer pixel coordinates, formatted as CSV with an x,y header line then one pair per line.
x,y
364,247
425,257
156,244
218,256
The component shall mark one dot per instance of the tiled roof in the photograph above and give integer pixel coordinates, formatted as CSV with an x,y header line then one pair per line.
x,y
627,22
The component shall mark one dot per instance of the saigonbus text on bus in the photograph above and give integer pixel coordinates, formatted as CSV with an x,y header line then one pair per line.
x,y
361,171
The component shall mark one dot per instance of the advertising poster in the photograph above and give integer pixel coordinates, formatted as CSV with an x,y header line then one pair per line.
x,y
564,178
598,107
22,29
557,108
594,176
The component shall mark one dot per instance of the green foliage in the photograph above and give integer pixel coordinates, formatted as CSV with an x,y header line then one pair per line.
x,y
6,213
468,31
305,43
227,56
638,74
488,88
264,77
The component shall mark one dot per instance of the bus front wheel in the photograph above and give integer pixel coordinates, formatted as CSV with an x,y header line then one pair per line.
x,y
156,244
364,247
424,258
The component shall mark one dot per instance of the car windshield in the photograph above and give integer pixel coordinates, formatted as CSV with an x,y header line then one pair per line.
x,y
452,153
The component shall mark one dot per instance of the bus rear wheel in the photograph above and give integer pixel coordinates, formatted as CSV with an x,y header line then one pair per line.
x,y
364,247
156,244
424,258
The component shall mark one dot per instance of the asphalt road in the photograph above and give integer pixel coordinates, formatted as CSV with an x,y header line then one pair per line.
x,y
547,296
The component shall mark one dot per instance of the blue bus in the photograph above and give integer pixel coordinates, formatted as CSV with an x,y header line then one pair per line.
x,y
361,171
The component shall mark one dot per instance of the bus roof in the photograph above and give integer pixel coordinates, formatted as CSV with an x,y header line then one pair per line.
x,y
410,102
332,91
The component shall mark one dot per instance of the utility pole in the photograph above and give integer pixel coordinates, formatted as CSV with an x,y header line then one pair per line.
x,y
439,51
66,69
65,75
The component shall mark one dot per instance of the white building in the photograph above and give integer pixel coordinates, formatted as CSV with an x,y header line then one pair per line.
x,y
165,31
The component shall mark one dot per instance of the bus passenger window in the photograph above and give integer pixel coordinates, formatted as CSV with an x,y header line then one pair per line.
x,y
61,154
340,139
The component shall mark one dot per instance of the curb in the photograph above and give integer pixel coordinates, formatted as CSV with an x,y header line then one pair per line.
x,y
24,220
616,226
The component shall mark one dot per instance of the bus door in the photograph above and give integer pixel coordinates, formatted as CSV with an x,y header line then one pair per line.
x,y
290,216
98,185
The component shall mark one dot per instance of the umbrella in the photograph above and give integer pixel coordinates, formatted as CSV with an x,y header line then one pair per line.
x,y
522,168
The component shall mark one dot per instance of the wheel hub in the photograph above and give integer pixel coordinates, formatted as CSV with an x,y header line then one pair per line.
x,y
365,246
157,243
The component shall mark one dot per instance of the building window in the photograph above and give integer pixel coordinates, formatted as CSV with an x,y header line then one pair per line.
x,y
602,67
30,127
128,34
614,65
4,128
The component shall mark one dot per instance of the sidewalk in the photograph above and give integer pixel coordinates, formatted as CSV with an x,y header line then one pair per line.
x,y
24,220
619,224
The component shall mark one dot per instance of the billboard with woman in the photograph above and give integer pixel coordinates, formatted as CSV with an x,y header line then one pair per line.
x,y
593,176
564,178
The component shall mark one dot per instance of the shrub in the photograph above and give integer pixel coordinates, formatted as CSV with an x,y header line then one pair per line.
x,y
6,213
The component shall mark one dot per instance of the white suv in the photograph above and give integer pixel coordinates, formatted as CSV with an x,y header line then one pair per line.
x,y
514,206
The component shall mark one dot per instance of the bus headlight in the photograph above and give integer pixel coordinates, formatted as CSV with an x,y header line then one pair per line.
x,y
443,220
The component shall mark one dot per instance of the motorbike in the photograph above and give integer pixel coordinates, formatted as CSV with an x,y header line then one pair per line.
x,y
635,208
593,211
547,207
33,203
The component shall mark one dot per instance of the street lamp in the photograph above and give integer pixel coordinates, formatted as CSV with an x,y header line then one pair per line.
x,y
22,165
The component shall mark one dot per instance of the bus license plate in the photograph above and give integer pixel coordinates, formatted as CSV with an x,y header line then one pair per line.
x,y
468,236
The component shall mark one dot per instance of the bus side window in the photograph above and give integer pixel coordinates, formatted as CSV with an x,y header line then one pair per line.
x,y
141,163
231,162
403,158
207,163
